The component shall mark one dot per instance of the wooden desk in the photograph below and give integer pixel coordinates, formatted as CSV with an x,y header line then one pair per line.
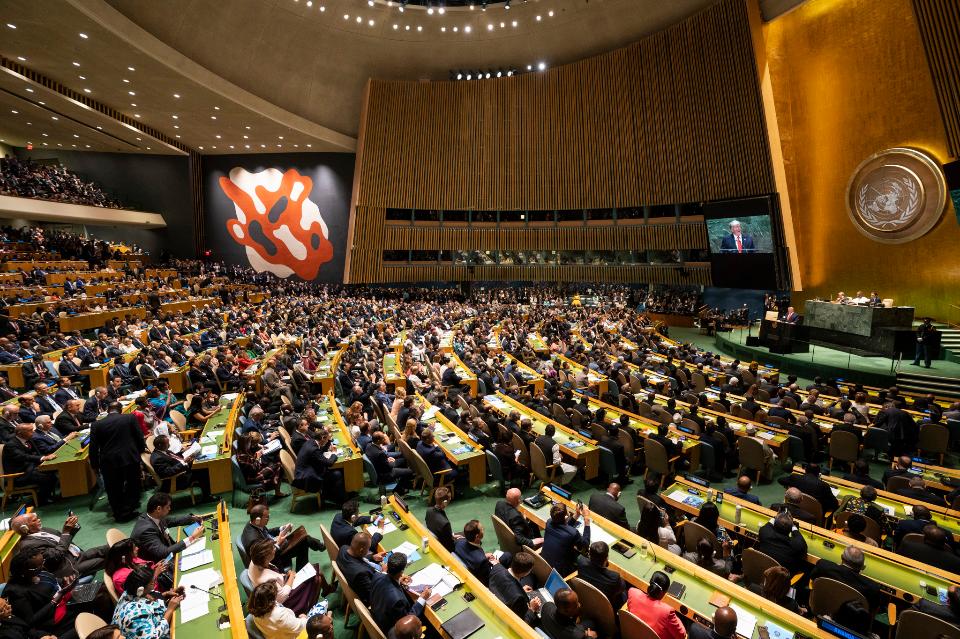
x,y
349,457
467,377
87,321
8,542
207,626
701,584
499,621
456,444
535,341
219,432
326,372
59,265
581,450
392,373
526,374
14,373
897,575
594,379
937,476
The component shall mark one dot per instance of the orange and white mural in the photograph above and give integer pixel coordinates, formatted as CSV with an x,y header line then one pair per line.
x,y
280,227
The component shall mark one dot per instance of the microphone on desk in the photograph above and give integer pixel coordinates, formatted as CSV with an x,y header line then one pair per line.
x,y
210,592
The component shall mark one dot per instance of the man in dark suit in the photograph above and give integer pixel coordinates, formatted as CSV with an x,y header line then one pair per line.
x,y
314,470
594,571
918,490
560,618
66,367
151,530
388,468
848,572
742,490
608,506
933,550
901,426
791,316
20,455
34,370
469,549
860,474
783,542
901,467
8,422
921,519
388,597
736,241
116,443
506,584
562,541
35,538
28,409
345,523
65,392
48,405
95,404
357,570
45,438
724,625
167,464
791,504
68,421
288,550
811,484
433,455
611,441
525,533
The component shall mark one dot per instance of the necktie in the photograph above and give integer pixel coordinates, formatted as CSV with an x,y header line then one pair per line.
x,y
739,245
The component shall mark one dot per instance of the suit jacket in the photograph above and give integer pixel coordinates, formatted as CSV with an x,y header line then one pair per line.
x,y
523,530
166,464
34,543
46,443
796,511
474,558
312,465
864,481
253,533
389,602
907,526
27,415
560,546
116,439
65,423
609,508
735,492
729,243
813,486
155,542
20,457
358,573
343,531
507,589
608,582
944,559
869,588
438,523
790,550
62,396
559,626
47,406
434,457
920,495
92,409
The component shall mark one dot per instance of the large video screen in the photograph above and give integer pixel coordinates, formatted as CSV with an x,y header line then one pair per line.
x,y
738,235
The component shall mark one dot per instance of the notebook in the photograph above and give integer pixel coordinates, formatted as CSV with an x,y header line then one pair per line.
x,y
462,625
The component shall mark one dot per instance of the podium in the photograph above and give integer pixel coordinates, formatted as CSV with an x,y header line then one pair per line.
x,y
784,338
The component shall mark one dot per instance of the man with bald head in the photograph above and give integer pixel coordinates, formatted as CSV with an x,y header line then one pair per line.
x,y
35,538
724,625
8,422
848,572
68,421
525,532
560,618
791,503
608,506
356,569
782,541
409,627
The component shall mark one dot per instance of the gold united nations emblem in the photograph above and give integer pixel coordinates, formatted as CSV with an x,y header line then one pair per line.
x,y
896,195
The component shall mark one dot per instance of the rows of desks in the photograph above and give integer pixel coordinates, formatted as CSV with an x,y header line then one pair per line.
x,y
460,450
594,379
577,448
467,377
526,374
349,457
898,576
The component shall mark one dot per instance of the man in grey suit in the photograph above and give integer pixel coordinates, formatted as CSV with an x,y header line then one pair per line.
x,y
35,538
272,382
151,530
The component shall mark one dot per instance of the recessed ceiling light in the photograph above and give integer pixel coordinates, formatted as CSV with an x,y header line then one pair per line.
x,y
309,3
76,64
309,145
130,69
29,90
407,28
539,18
346,16
419,28
132,92
529,67
136,115
513,24
441,11
213,117
84,36
53,117
322,8
82,77
75,135
201,148
14,112
178,135
359,19
148,148
86,90
21,58
216,108
133,104
263,146
176,126
396,26
99,128
279,145
503,24
231,146
430,11
246,146
125,80
550,13
466,29
87,145
489,27
175,117
176,95
296,146
456,29
218,137
542,66
370,22
139,139
11,25
45,135
247,128
246,137
279,137
443,29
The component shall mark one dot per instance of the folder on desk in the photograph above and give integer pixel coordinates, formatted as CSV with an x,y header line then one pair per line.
x,y
462,625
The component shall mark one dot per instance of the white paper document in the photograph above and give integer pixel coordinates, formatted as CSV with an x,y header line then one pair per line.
x,y
193,608
746,622
407,548
192,451
195,547
599,534
386,530
195,560
304,574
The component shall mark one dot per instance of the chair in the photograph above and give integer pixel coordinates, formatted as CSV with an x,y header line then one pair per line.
x,y
110,588
754,565
332,548
252,630
506,538
934,439
10,490
828,595
608,464
179,419
168,484
367,622
632,627
430,479
519,444
289,466
916,538
877,440
694,532
601,612
240,482
844,446
699,381
897,482
919,625
628,450
371,470
348,595
751,456
547,474
496,471
811,505
245,582
541,569
657,461
114,535
86,623
244,559
873,530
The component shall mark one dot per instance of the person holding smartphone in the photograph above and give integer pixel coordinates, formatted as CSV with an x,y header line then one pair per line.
x,y
142,612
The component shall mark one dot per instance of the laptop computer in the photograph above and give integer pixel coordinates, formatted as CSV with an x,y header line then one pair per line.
x,y
554,583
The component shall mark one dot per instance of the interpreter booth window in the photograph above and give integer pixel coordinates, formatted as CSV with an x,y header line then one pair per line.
x,y
456,216
399,215
599,214
663,210
540,216
396,256
446,257
426,215
423,256
571,215
630,213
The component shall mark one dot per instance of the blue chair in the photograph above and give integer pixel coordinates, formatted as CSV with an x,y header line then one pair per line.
x,y
243,553
371,470
496,471
608,465
252,631
240,482
246,582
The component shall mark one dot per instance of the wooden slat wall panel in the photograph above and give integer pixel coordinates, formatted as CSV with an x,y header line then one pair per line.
x,y
939,22
658,274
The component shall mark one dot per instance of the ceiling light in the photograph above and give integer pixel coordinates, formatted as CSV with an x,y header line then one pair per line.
x,y
231,146
87,145
246,137
148,148
130,69
279,145
370,23
178,135
309,3
407,27
469,76
29,90
82,77
84,36
21,58
541,66
133,104
11,25
176,126
14,112
466,29
430,11
443,29
488,75
396,26
529,67
455,29
279,137
176,95
441,11
539,18
76,64
507,6
499,74
201,148
75,135
489,27
401,8
136,115
247,127
263,146
346,16
550,13
132,92
139,139
175,117
310,145
99,128
213,117
296,146
322,8
125,80
459,76
41,102
370,2
419,28
217,136
246,146
513,24
503,24
86,90
53,117
359,19
45,135
216,108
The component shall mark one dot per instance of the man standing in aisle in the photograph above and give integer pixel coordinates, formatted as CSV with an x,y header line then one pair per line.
x,y
116,443
925,336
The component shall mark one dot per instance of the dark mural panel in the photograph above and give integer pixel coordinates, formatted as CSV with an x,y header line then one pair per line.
x,y
283,213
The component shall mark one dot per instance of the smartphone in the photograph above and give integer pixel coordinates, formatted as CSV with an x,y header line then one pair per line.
x,y
468,597
439,604
719,497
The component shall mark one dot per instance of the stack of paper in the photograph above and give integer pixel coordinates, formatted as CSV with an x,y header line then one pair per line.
x,y
195,560
385,529
195,547
304,574
435,577
746,622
